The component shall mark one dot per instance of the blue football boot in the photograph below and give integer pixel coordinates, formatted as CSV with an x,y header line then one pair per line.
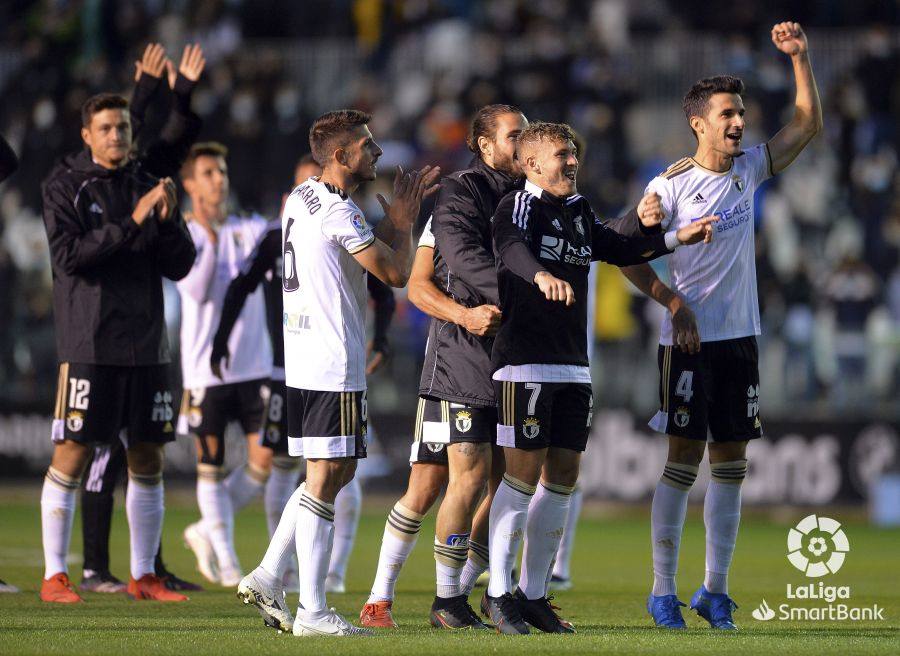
x,y
714,608
666,611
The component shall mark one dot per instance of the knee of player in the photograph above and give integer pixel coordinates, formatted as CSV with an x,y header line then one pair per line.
x,y
70,458
686,451
145,459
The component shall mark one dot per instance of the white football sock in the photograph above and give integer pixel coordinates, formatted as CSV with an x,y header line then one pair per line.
x,y
217,514
244,484
667,515
476,565
722,516
281,546
400,534
57,514
281,484
449,560
347,505
562,566
314,537
509,511
544,528
145,507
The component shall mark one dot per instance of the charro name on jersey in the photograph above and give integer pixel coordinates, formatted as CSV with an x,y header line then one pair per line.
x,y
308,195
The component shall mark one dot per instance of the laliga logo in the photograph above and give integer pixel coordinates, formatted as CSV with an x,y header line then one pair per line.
x,y
817,546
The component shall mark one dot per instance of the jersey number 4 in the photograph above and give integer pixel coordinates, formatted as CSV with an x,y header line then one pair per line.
x,y
290,279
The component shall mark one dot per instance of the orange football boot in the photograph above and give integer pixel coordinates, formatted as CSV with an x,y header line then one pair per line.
x,y
59,590
151,587
378,615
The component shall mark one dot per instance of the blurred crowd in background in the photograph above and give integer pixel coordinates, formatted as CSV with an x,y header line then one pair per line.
x,y
828,230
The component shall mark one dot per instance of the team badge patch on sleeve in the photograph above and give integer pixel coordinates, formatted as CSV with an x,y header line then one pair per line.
x,y
362,228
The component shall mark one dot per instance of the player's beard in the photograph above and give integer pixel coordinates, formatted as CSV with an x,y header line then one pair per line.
x,y
507,164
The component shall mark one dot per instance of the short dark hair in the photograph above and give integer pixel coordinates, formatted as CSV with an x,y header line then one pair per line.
x,y
98,103
198,150
696,100
541,130
329,132
484,123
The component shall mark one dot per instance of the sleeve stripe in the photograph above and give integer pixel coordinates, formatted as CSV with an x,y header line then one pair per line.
x,y
769,160
362,247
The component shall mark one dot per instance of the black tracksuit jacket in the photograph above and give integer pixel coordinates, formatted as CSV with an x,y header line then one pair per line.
x,y
539,232
457,363
107,284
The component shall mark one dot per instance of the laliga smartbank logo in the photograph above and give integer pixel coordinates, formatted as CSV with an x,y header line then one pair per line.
x,y
817,546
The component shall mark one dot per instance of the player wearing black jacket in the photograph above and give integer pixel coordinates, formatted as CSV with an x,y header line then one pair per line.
x,y
545,238
161,154
114,230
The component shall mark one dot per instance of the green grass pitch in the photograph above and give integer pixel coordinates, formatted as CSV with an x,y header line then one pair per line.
x,y
611,569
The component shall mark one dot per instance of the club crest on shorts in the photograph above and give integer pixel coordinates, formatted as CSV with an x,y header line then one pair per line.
x,y
738,183
682,416
463,421
272,433
434,447
531,427
75,421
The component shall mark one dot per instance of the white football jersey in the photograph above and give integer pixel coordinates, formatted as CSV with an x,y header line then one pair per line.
x,y
718,280
324,290
202,294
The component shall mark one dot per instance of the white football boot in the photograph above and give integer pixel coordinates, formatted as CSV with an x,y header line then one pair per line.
x,y
329,624
196,540
269,601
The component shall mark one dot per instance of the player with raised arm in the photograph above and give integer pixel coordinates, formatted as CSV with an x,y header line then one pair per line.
x,y
545,238
709,384
114,230
328,249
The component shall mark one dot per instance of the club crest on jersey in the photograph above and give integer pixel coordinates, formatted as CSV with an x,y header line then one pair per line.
x,y
557,224
579,225
682,416
738,183
463,421
531,427
75,421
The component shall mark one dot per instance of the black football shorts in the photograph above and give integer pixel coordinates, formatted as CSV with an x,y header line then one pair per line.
x,y
104,403
273,434
206,411
713,393
327,424
539,415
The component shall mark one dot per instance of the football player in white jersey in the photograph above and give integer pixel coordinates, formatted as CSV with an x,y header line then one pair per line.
x,y
223,243
709,387
328,248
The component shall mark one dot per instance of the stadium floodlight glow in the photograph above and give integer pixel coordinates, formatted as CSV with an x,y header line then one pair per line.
x,y
817,546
